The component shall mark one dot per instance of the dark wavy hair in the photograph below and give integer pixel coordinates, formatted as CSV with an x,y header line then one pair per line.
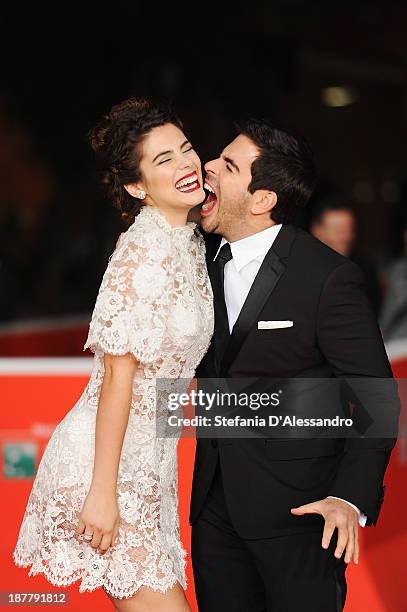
x,y
116,141
285,165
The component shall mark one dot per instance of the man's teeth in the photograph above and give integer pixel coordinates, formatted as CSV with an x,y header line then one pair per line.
x,y
207,205
187,181
208,187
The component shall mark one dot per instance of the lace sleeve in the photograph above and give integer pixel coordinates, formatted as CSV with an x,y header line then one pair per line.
x,y
132,303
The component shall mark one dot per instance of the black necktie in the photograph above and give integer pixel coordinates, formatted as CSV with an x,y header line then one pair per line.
x,y
222,333
224,255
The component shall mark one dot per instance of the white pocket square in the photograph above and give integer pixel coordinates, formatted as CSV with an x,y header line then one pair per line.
x,y
274,324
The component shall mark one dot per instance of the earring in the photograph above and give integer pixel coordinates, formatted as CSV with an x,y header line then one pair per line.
x,y
141,194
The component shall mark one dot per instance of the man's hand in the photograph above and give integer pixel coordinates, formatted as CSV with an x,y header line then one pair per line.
x,y
337,515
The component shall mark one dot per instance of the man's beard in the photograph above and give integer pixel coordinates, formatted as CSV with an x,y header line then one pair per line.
x,y
227,215
234,215
211,225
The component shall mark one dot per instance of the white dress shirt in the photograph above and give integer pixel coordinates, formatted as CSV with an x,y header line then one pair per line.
x,y
239,274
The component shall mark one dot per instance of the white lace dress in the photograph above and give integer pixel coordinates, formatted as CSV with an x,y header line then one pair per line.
x,y
155,300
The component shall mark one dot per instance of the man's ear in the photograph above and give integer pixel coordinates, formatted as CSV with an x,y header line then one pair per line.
x,y
135,190
263,201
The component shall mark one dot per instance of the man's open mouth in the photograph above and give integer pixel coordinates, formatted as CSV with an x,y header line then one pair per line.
x,y
210,201
188,183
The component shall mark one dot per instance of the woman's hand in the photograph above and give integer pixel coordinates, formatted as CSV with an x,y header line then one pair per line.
x,y
100,519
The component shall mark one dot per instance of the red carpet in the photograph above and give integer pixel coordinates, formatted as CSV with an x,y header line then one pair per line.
x,y
33,405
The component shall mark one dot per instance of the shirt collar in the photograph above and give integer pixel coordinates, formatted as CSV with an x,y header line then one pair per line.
x,y
253,247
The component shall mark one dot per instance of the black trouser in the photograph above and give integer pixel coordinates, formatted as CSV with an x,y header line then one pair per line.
x,y
280,574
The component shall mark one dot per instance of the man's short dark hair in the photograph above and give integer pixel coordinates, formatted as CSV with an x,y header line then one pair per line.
x,y
285,165
329,203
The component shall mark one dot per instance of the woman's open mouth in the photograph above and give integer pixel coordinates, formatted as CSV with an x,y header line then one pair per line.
x,y
210,201
188,183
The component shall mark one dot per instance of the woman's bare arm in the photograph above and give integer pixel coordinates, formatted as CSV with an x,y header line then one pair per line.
x,y
112,418
100,515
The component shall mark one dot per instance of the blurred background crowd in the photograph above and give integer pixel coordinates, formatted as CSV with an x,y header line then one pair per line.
x,y
334,71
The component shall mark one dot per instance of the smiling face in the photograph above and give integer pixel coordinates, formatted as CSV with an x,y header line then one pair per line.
x,y
227,208
171,173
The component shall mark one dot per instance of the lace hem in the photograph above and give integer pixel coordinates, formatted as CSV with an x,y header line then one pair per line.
x,y
163,586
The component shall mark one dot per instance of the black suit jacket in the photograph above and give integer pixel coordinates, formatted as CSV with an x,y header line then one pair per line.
x,y
335,334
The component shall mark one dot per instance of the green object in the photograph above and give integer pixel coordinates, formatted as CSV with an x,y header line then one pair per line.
x,y
19,459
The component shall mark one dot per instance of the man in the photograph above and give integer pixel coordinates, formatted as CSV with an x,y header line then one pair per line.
x,y
393,319
333,223
264,511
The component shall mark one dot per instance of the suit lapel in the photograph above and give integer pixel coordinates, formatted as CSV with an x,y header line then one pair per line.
x,y
221,333
212,242
269,274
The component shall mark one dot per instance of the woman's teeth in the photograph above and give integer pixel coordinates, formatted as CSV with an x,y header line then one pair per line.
x,y
187,183
195,183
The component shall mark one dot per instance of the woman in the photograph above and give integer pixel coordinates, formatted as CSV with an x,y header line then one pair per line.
x,y
104,508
